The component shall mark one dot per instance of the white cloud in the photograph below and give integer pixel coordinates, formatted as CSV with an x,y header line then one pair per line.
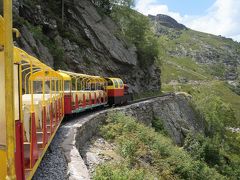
x,y
223,18
152,7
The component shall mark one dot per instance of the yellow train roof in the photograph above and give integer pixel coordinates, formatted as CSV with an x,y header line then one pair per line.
x,y
65,76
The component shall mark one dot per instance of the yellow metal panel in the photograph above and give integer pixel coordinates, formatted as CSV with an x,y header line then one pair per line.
x,y
1,31
9,94
16,93
2,101
65,76
113,86
3,165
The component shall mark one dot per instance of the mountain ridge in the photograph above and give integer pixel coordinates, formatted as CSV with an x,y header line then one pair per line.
x,y
220,54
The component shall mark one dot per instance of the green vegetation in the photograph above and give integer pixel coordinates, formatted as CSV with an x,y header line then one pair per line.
x,y
174,43
54,48
210,88
218,106
136,29
215,102
158,125
144,150
176,69
147,94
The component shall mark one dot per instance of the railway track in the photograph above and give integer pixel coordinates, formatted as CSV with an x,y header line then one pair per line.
x,y
54,164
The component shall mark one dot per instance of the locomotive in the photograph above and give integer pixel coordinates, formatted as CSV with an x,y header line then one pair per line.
x,y
35,98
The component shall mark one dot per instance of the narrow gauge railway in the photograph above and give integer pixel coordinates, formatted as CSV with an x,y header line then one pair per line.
x,y
35,98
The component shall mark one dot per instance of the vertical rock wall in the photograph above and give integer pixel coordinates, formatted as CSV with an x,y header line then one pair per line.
x,y
85,43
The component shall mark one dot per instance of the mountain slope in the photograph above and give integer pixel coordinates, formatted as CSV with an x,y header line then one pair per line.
x,y
192,61
84,41
219,56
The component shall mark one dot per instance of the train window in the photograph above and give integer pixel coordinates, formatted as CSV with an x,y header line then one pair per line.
x,y
110,83
66,85
120,83
115,83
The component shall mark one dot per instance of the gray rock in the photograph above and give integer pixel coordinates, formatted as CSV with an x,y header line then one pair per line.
x,y
89,43
167,21
44,54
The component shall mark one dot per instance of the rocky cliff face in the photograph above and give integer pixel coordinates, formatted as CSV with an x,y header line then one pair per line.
x,y
167,21
84,41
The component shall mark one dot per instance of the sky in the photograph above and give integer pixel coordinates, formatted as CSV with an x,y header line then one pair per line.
x,y
219,17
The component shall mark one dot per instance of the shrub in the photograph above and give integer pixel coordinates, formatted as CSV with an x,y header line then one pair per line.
x,y
121,171
56,51
158,125
143,148
137,29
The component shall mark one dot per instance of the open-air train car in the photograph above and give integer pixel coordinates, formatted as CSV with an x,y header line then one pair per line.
x,y
83,92
34,99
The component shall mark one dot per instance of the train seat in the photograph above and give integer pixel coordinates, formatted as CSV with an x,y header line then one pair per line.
x,y
37,101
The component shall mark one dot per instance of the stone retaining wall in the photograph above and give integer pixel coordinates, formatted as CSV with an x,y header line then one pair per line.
x,y
174,110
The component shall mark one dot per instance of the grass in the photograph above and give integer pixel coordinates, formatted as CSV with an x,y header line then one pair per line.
x,y
147,94
193,42
177,67
175,72
147,154
217,88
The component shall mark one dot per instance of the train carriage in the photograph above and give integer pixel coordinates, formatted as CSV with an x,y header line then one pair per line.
x,y
35,98
83,92
117,92
39,110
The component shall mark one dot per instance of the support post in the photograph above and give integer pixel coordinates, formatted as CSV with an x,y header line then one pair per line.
x,y
9,87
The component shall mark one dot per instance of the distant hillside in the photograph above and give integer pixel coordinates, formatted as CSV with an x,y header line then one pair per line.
x,y
194,61
218,56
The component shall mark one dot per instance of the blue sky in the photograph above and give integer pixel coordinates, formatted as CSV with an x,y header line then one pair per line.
x,y
219,17
194,7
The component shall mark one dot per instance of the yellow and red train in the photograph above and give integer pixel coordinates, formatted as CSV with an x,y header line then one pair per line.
x,y
35,98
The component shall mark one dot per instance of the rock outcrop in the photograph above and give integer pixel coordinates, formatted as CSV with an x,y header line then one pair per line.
x,y
173,110
84,41
167,21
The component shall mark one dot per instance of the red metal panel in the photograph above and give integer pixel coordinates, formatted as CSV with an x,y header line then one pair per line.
x,y
76,103
90,99
115,92
34,148
84,101
59,109
72,101
99,98
67,104
56,113
19,154
44,126
51,118
95,98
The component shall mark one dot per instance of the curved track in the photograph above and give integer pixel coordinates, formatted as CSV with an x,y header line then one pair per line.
x,y
54,163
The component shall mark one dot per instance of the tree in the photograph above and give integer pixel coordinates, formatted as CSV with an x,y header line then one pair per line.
x,y
63,12
137,29
126,3
107,5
